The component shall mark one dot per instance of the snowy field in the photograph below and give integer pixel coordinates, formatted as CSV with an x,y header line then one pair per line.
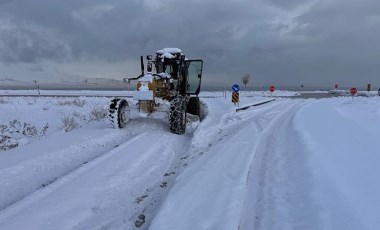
x,y
288,164
102,93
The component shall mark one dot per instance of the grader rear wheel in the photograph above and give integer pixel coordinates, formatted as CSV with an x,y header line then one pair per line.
x,y
118,113
193,106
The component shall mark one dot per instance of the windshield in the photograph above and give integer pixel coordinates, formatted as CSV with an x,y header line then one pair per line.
x,y
194,76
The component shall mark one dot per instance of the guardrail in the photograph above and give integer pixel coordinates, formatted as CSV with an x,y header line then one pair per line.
x,y
257,104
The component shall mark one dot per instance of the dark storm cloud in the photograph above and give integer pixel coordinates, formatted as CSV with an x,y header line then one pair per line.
x,y
288,4
26,42
119,29
343,42
288,42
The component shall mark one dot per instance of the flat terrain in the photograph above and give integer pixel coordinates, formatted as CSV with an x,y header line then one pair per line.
x,y
273,166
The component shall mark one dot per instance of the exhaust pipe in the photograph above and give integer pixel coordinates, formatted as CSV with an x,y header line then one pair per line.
x,y
142,65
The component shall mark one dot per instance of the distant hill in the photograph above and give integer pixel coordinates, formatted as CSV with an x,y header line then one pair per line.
x,y
90,83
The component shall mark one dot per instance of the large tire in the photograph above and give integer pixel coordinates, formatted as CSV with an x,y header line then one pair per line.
x,y
118,113
193,107
177,115
112,113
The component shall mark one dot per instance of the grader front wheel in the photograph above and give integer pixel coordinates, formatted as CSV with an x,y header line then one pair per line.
x,y
177,115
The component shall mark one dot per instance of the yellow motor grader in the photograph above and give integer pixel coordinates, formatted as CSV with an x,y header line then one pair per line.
x,y
176,81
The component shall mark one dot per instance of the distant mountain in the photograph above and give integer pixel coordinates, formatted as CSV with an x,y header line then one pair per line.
x,y
103,81
23,76
7,80
10,81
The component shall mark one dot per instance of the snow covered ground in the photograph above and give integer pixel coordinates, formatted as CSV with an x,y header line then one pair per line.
x,y
287,164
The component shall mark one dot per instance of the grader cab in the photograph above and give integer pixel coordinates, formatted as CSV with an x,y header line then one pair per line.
x,y
175,83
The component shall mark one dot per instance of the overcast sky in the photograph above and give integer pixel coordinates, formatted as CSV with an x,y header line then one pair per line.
x,y
281,42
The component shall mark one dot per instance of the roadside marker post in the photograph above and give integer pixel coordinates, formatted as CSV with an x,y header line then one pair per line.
x,y
235,94
235,98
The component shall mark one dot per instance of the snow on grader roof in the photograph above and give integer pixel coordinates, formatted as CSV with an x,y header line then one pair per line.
x,y
168,52
175,84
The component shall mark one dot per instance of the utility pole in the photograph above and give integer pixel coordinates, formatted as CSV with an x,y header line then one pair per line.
x,y
37,87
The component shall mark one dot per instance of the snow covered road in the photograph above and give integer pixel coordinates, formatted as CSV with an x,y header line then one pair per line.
x,y
95,194
274,166
220,182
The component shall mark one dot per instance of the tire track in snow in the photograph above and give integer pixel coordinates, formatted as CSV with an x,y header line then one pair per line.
x,y
220,175
231,123
34,174
274,190
111,183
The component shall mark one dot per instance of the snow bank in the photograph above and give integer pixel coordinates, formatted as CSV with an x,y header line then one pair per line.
x,y
343,137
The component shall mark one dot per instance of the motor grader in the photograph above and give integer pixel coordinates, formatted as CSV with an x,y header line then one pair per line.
x,y
176,83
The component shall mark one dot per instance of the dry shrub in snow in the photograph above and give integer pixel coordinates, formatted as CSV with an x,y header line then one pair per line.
x,y
15,130
98,113
23,128
76,102
29,130
7,142
2,101
81,117
44,130
69,123
31,101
